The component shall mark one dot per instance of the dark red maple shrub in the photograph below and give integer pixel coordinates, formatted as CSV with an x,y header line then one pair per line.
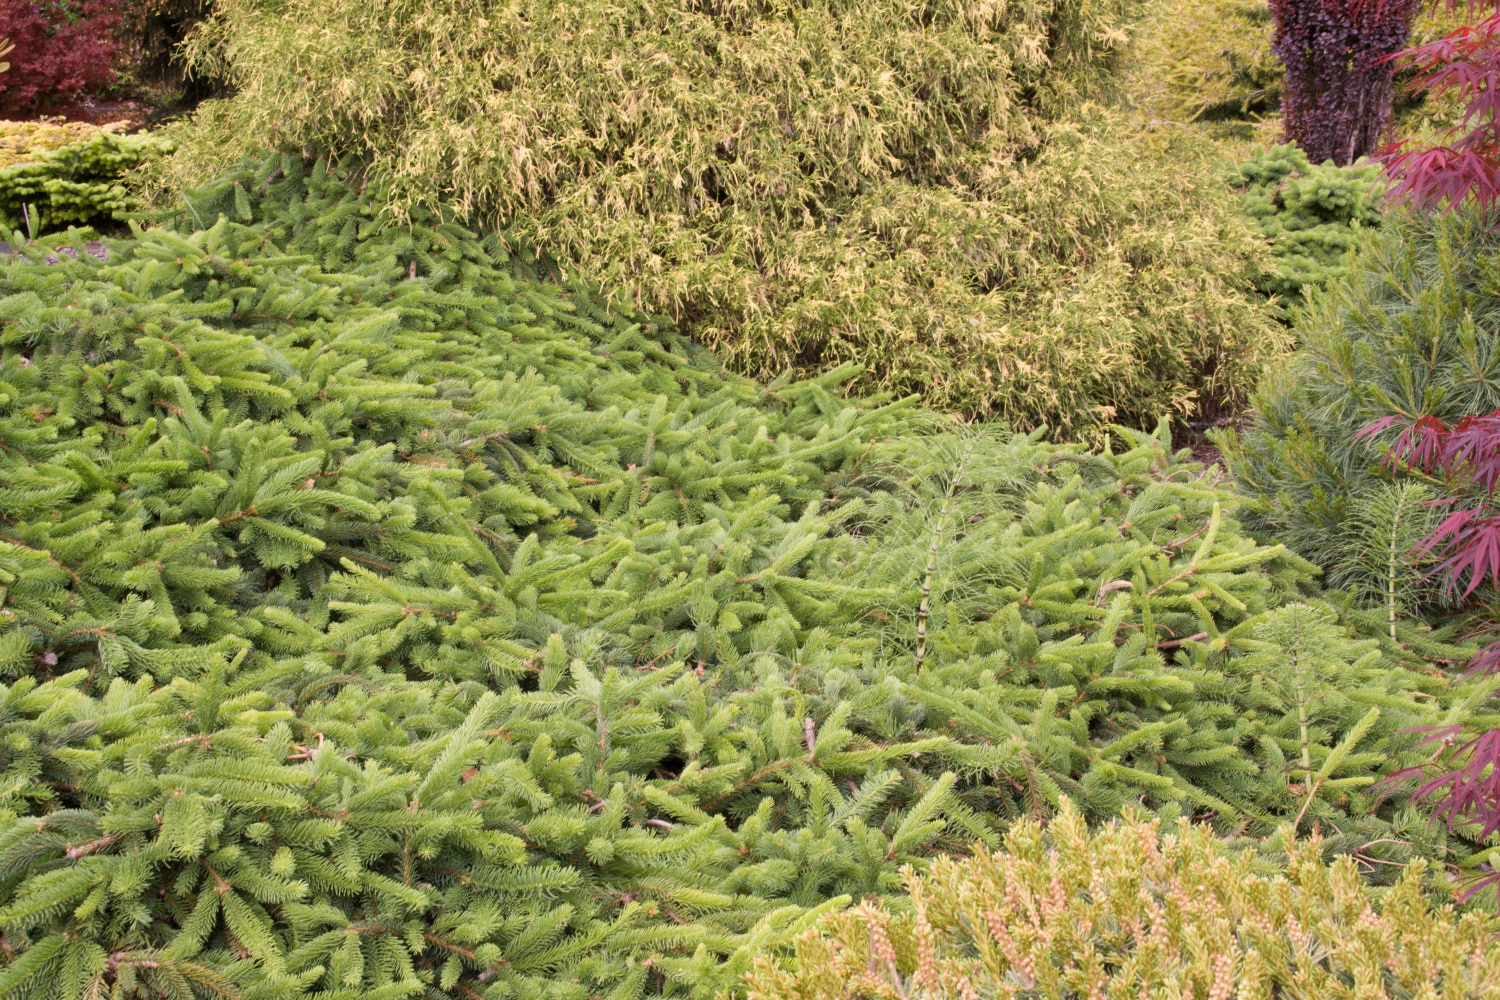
x,y
1462,782
1339,79
1464,65
63,48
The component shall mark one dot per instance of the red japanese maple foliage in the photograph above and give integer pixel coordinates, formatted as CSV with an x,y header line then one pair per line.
x,y
1465,65
1465,790
1467,455
63,48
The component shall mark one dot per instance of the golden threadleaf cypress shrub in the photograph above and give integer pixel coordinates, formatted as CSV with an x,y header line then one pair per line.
x,y
900,183
1131,910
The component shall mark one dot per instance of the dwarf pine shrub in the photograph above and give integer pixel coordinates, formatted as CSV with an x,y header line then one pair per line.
x,y
1406,332
379,620
1131,910
903,185
1310,215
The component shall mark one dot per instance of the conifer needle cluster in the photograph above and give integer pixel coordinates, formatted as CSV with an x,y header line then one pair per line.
x,y
381,619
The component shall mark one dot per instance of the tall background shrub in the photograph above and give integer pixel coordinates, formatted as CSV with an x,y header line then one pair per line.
x,y
903,184
1339,87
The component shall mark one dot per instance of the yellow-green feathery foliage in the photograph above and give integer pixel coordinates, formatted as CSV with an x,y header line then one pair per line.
x,y
892,182
1128,911
1213,61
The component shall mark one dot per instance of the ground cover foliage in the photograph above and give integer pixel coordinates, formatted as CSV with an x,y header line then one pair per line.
x,y
917,187
381,621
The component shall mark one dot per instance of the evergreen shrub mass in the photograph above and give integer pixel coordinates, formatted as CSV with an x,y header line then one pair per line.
x,y
378,620
1408,332
62,172
1310,215
916,187
1131,910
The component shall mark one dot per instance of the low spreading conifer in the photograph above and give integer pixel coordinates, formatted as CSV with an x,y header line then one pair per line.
x,y
383,619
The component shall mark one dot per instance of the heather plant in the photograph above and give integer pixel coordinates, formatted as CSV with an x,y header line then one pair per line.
x,y
381,618
1132,909
919,189
1311,216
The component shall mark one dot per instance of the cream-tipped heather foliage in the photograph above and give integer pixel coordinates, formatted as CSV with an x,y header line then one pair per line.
x,y
1128,911
899,183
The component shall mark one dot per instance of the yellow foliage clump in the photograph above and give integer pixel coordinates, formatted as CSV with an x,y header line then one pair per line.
x,y
921,187
20,142
1130,911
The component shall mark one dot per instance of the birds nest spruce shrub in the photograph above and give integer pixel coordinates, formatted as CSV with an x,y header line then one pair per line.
x,y
55,173
1132,910
1405,333
915,187
381,621
1310,215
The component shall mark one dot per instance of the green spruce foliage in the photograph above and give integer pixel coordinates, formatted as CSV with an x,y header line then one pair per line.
x,y
381,621
1310,215
900,184
53,174
1408,331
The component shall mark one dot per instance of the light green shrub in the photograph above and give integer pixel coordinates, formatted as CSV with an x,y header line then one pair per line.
x,y
1310,215
1132,910
898,184
66,173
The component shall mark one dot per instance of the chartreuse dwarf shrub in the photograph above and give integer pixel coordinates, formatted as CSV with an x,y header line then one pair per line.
x,y
67,172
1130,910
377,620
1211,61
901,184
